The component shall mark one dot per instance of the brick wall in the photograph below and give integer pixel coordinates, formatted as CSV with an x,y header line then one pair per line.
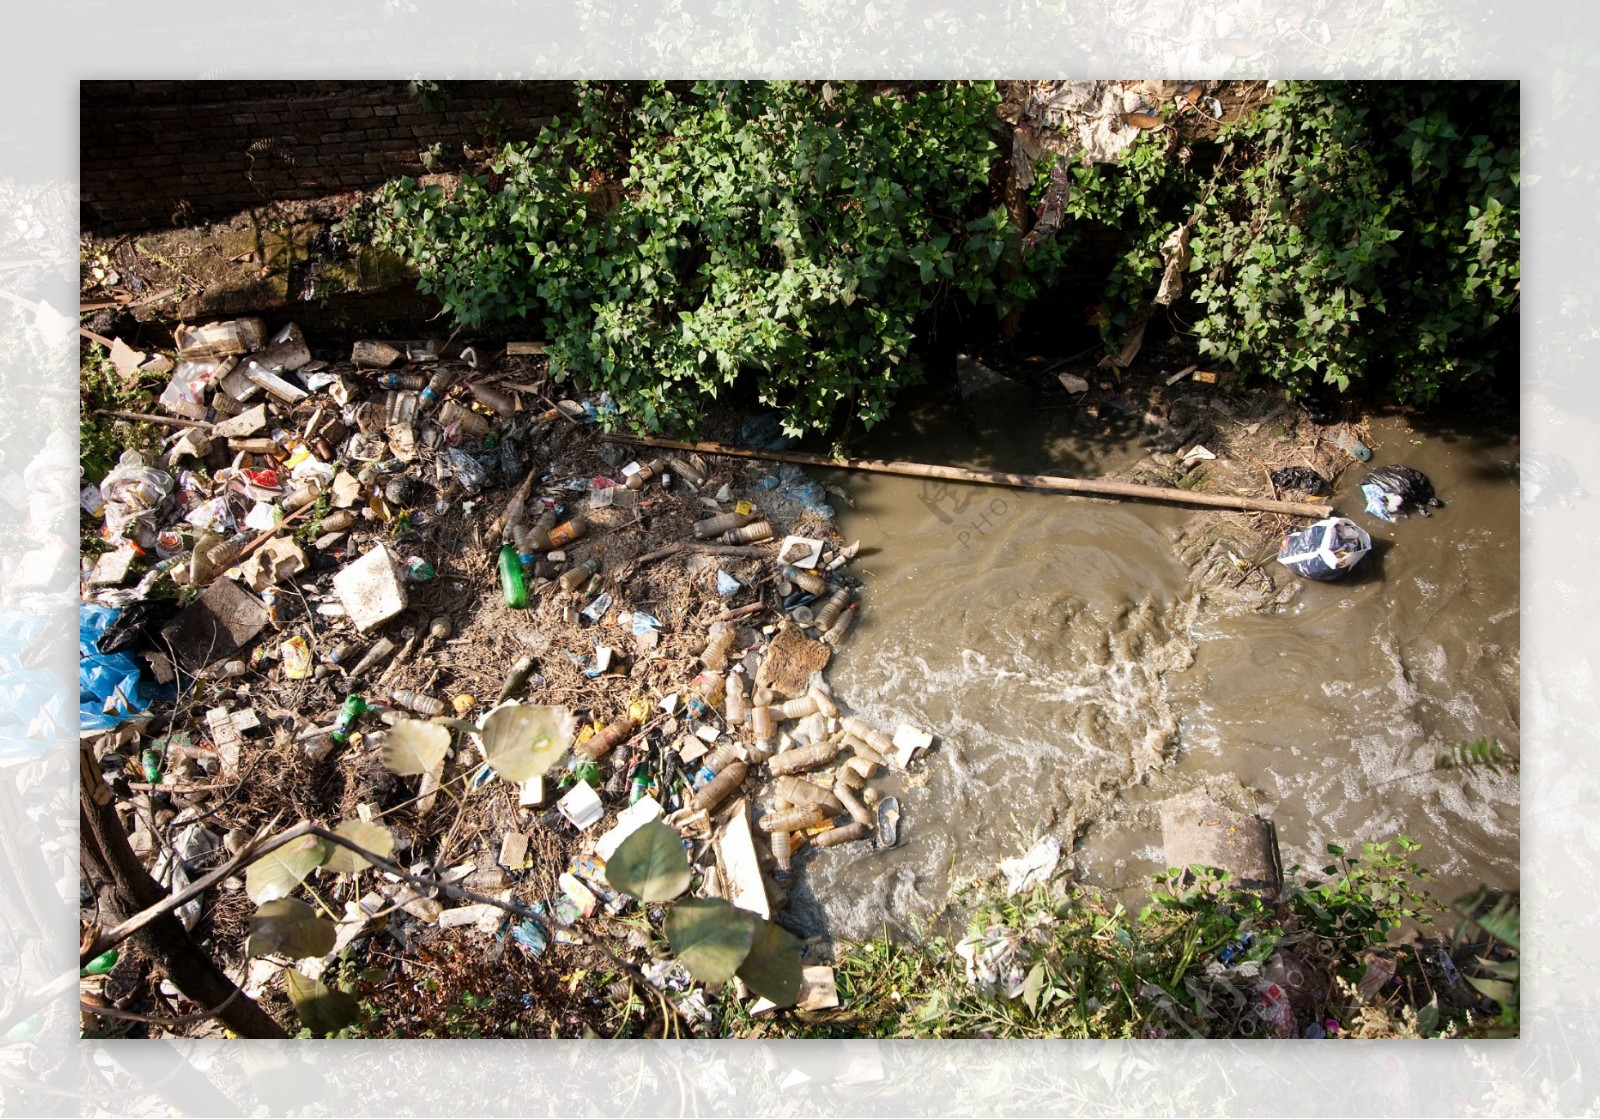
x,y
162,153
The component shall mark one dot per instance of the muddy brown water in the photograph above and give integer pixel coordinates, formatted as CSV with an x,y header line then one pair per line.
x,y
1073,678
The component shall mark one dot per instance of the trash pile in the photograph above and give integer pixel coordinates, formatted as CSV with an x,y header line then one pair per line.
x,y
324,549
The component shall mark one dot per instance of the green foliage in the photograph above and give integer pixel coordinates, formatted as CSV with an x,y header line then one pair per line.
x,y
1359,901
289,927
650,864
1352,230
1482,752
524,740
1497,970
277,873
323,1009
102,439
1189,964
669,243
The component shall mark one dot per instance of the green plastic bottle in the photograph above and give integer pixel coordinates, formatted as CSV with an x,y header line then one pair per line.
x,y
354,707
101,964
512,587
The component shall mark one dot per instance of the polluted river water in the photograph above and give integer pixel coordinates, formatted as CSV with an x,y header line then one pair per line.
x,y
1074,678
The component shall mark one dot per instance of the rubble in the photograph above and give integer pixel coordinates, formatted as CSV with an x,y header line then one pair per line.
x,y
332,545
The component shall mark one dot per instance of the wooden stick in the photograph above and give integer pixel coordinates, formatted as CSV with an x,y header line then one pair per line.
x,y
1045,482
170,421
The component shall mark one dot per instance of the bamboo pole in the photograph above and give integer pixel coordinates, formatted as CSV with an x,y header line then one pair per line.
x,y
1044,482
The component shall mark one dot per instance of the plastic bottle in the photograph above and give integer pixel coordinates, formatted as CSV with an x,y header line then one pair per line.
x,y
578,576
719,759
518,677
341,652
735,708
879,742
847,834
705,693
715,656
687,471
824,702
101,964
422,704
437,384
512,588
471,423
835,636
781,851
803,758
522,540
859,812
752,533
492,399
223,554
799,792
539,532
566,533
808,581
721,787
150,763
354,707
638,478
417,570
794,818
761,727
795,708
640,783
381,648
716,526
830,611
608,738
863,750
400,382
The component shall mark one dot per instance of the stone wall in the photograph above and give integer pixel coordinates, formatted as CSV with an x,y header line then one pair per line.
x,y
163,153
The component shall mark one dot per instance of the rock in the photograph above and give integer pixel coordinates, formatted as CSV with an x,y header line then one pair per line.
x,y
1072,382
221,621
1197,830
272,563
112,568
244,424
370,589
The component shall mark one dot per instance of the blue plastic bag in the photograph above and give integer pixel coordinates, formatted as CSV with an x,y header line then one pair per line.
x,y
111,687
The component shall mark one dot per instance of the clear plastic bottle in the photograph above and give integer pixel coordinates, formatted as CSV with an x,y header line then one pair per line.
x,y
721,787
723,522
416,701
578,576
803,758
752,533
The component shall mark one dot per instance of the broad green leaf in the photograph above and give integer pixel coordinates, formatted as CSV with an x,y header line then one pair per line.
x,y
1497,989
277,873
1031,987
650,864
522,740
374,837
291,927
772,969
322,1009
711,937
412,747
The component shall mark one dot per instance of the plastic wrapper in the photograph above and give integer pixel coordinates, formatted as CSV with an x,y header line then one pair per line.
x,y
111,686
471,476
